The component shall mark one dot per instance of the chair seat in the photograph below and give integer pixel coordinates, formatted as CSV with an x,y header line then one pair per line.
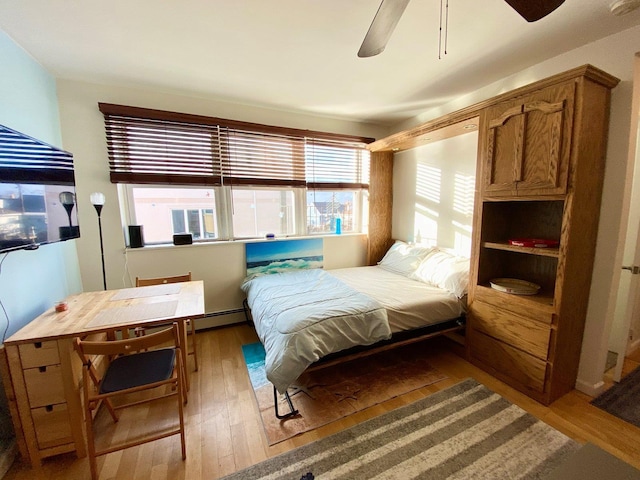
x,y
129,371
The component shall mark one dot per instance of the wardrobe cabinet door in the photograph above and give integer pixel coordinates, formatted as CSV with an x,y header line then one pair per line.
x,y
528,144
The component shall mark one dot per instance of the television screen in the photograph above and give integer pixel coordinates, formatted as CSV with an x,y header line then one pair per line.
x,y
37,193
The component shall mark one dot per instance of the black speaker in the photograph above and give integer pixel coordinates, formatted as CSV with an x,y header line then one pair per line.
x,y
136,238
183,239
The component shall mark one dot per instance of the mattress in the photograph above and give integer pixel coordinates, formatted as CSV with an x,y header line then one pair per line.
x,y
304,315
409,303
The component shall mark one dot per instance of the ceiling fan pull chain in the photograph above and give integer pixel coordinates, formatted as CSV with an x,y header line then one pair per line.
x,y
445,4
446,27
440,34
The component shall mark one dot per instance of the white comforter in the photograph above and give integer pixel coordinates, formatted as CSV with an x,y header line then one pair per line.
x,y
305,315
409,303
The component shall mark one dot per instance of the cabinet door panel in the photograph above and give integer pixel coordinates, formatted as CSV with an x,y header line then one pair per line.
x,y
528,143
543,144
504,148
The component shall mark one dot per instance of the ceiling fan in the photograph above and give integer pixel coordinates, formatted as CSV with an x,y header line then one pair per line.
x,y
390,11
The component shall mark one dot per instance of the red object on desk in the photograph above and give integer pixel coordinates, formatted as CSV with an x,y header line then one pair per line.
x,y
62,307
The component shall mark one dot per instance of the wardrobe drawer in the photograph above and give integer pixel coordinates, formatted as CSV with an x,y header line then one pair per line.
x,y
44,385
517,365
520,305
39,354
528,335
52,425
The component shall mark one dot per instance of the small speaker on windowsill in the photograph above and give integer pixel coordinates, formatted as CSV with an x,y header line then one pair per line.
x,y
136,236
183,239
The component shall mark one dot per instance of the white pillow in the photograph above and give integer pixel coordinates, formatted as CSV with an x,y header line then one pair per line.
x,y
403,258
444,270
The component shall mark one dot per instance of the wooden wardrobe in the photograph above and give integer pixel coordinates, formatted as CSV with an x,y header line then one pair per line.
x,y
540,169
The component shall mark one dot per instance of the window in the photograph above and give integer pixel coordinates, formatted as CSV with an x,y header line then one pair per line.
x,y
165,211
221,179
198,222
325,206
257,212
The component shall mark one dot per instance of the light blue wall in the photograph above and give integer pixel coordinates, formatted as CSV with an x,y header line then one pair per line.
x,y
31,281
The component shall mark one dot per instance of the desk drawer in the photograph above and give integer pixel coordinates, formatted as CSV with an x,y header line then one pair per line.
x,y
52,425
523,333
39,354
44,385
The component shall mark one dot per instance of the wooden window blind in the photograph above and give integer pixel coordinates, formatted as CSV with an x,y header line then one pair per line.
x,y
147,150
159,147
257,158
336,164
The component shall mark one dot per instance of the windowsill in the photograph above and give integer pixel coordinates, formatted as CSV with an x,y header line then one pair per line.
x,y
212,243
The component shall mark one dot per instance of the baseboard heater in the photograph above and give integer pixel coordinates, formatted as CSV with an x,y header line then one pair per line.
x,y
223,312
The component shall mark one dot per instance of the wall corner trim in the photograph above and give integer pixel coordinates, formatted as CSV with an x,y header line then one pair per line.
x,y
592,389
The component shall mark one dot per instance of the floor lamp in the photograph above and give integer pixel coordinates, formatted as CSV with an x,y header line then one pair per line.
x,y
97,199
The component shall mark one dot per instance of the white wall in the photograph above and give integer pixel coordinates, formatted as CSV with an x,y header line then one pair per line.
x,y
433,193
220,265
615,55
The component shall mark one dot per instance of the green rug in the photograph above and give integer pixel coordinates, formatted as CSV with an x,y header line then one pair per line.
x,y
463,432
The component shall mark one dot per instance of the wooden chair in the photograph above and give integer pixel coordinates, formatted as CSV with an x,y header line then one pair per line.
x,y
135,366
191,328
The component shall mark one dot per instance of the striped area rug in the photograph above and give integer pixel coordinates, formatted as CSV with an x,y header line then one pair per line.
x,y
463,432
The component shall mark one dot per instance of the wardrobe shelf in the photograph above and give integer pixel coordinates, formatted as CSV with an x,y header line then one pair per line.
x,y
545,252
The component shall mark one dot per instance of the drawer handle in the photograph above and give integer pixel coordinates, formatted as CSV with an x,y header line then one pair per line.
x,y
49,408
42,369
37,345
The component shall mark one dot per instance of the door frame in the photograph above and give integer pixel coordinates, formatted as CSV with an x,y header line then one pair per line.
x,y
627,288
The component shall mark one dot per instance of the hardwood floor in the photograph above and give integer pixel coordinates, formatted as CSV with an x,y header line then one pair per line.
x,y
224,431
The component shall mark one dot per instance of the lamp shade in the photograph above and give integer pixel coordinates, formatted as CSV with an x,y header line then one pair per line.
x,y
67,198
97,198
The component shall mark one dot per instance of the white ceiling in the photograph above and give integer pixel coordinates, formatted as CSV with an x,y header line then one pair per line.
x,y
298,55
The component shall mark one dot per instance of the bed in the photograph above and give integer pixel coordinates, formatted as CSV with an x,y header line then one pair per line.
x,y
304,316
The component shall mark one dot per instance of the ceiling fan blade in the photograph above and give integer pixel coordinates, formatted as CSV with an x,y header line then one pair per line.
x,y
534,10
385,21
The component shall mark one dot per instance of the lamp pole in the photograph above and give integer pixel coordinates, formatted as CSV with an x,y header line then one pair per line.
x,y
97,199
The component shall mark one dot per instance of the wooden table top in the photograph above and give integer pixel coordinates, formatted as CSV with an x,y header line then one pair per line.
x,y
92,312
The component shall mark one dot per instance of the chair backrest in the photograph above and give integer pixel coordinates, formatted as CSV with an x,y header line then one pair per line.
x,y
166,337
143,282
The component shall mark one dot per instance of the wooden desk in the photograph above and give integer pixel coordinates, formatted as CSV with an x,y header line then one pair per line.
x,y
42,373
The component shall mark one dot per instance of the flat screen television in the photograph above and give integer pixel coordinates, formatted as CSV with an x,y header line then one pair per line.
x,y
37,193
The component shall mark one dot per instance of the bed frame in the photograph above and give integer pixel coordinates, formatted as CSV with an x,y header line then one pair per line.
x,y
397,339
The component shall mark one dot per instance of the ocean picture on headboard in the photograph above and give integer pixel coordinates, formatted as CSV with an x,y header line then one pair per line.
x,y
274,256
